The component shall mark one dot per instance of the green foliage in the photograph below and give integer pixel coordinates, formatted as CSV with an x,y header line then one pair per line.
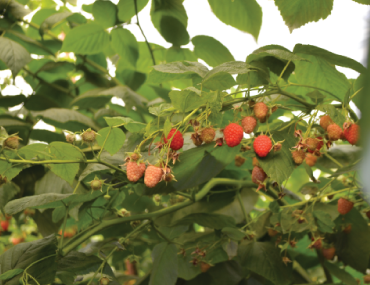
x,y
203,222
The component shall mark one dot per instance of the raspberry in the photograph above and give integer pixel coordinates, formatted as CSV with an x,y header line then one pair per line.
x,y
204,267
255,161
325,121
104,281
328,253
368,214
272,232
311,159
347,229
153,176
12,142
258,175
311,143
344,206
88,136
334,132
352,133
197,140
367,279
208,135
177,139
4,225
135,171
320,144
260,111
233,134
317,244
298,156
70,138
248,124
262,145
239,160
96,184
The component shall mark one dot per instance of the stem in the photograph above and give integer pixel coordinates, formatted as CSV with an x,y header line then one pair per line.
x,y
242,206
313,87
333,160
296,98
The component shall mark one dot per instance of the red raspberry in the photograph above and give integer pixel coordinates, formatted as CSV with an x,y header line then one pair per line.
x,y
334,132
325,121
233,134
258,175
298,156
352,133
311,159
153,176
311,143
4,225
177,140
262,145
208,135
328,253
135,171
320,144
344,206
260,111
368,214
248,124
317,244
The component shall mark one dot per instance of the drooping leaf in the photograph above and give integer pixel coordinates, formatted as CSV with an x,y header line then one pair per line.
x,y
324,221
173,31
53,20
243,15
111,138
164,269
11,101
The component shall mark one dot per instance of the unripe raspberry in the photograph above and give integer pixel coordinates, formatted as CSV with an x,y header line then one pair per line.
x,y
258,176
239,160
298,156
88,136
233,134
135,170
260,111
325,121
262,145
352,133
328,253
311,159
104,281
96,184
207,135
196,138
334,132
153,176
255,161
320,144
248,124
12,142
177,140
311,143
70,138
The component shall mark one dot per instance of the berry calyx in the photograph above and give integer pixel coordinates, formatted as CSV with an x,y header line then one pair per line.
x,y
298,156
207,135
12,142
258,177
4,225
352,133
153,175
328,253
262,145
325,121
177,140
233,134
334,132
88,136
344,206
135,170
311,159
260,111
249,123
96,184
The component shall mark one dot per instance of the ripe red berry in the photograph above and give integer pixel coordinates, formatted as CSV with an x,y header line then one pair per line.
x,y
311,159
325,121
153,176
16,240
334,132
352,133
4,225
208,135
248,124
311,143
177,139
233,134
258,175
135,171
262,145
298,156
344,206
328,253
317,244
260,111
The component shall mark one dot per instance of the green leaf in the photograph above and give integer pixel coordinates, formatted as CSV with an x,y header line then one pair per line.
x,y
14,8
333,112
220,81
11,273
164,270
299,13
177,70
89,38
187,99
125,44
341,274
167,127
131,78
7,192
57,67
105,13
19,205
213,221
34,150
264,259
130,125
234,233
11,101
13,55
333,58
279,165
9,170
324,221
211,50
23,255
175,53
321,74
111,138
53,21
126,8
243,15
173,31
59,213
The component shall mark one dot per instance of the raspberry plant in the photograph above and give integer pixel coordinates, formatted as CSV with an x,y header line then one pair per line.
x,y
180,185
